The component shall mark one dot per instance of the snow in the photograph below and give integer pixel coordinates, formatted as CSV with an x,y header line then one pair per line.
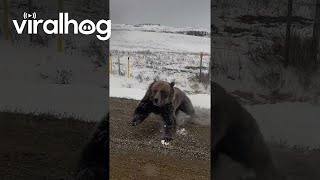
x,y
155,28
155,41
198,100
162,54
298,123
24,86
137,91
76,100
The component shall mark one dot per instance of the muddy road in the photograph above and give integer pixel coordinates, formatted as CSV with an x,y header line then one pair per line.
x,y
137,153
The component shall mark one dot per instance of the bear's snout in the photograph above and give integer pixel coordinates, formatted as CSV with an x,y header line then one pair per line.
x,y
156,100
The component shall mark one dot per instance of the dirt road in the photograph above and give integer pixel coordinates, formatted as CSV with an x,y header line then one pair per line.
x,y
40,147
136,152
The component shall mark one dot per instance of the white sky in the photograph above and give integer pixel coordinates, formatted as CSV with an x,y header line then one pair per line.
x,y
176,13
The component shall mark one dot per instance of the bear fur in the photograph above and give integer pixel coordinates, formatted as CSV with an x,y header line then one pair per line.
x,y
163,99
94,158
237,135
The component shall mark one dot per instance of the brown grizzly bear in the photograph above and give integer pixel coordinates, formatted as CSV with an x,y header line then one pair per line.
x,y
163,99
237,135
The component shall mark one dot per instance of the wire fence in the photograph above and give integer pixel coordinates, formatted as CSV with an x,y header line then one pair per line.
x,y
240,26
254,21
138,65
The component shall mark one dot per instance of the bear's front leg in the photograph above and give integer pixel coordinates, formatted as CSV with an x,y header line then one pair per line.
x,y
141,112
168,127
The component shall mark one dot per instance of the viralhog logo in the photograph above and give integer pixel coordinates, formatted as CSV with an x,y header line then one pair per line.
x,y
61,26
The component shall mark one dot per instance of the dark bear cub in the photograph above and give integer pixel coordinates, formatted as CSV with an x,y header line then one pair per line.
x,y
93,162
163,99
237,135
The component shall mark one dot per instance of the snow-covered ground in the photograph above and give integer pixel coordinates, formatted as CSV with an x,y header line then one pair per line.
x,y
132,39
28,83
161,54
297,123
156,28
198,100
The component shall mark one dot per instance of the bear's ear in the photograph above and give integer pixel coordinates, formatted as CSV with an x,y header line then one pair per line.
x,y
172,84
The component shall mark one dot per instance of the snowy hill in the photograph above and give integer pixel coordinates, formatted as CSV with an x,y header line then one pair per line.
x,y
195,31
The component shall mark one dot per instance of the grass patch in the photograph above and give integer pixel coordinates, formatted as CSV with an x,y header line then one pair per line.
x,y
269,62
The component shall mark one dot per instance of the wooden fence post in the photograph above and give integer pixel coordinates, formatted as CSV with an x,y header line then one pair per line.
x,y
119,65
200,75
128,67
138,59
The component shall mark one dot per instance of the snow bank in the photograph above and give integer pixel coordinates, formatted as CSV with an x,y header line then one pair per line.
x,y
298,123
198,100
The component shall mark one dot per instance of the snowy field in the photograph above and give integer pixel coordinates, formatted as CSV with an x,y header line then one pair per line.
x,y
157,51
28,83
133,39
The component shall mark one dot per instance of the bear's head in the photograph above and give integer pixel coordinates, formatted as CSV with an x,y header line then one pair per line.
x,y
161,92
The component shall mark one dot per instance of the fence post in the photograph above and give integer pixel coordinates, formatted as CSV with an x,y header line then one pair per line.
x,y
316,31
138,59
110,63
5,20
201,54
119,65
128,67
59,36
288,33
